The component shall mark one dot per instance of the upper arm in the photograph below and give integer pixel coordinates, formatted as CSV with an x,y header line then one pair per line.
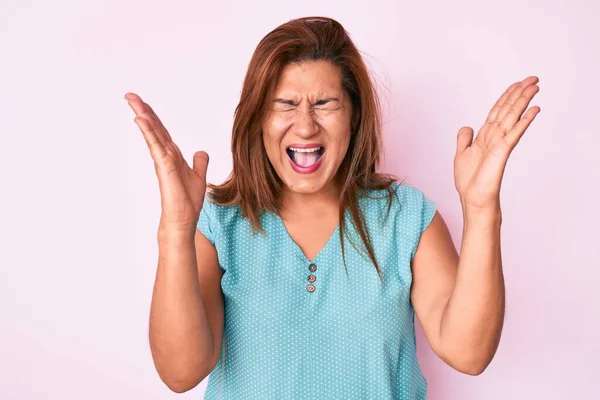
x,y
209,274
434,268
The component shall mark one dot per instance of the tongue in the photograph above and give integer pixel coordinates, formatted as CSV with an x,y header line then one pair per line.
x,y
305,159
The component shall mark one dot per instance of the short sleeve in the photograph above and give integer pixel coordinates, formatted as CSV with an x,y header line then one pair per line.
x,y
428,208
418,212
206,220
425,210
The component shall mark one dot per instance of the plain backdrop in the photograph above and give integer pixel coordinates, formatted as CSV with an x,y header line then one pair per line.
x,y
80,201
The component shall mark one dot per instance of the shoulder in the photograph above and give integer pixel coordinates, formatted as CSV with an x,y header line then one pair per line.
x,y
402,198
221,215
413,200
403,210
216,219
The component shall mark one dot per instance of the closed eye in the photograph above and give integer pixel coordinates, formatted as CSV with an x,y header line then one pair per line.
x,y
285,101
329,103
284,104
283,108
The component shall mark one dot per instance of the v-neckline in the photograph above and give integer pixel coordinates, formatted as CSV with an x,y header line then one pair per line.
x,y
298,249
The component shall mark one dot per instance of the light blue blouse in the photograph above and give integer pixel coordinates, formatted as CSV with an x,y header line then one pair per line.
x,y
301,329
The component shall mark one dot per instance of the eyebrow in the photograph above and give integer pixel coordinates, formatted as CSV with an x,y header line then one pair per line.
x,y
318,103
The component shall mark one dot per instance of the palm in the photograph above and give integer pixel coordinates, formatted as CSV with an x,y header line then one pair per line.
x,y
479,164
182,188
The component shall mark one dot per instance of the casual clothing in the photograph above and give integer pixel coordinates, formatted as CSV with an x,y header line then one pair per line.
x,y
291,336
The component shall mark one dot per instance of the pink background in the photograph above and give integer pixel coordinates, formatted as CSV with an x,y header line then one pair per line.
x,y
80,201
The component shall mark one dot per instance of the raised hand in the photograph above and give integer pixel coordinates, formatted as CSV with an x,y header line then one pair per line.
x,y
479,164
182,188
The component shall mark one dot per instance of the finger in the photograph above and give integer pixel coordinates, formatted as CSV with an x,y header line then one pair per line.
x,y
136,104
201,164
141,110
159,123
516,111
464,139
157,150
163,133
496,108
515,94
515,134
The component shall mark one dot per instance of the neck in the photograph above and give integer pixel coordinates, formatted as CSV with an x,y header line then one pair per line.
x,y
315,204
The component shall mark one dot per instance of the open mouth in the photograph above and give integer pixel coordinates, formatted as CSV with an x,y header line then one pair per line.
x,y
305,157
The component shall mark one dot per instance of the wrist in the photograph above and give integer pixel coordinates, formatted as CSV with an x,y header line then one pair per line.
x,y
491,214
176,230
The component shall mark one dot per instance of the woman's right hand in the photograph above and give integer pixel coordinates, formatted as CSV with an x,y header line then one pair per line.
x,y
182,188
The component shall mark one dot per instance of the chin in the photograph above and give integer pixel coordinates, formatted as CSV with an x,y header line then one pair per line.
x,y
304,186
318,181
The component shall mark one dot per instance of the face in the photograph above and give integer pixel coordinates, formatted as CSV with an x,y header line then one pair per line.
x,y
307,130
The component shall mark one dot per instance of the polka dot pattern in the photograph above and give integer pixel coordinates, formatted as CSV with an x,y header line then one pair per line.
x,y
353,337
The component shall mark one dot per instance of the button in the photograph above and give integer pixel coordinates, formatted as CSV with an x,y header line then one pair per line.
x,y
312,267
312,278
310,288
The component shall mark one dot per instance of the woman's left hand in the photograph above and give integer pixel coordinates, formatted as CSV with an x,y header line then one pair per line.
x,y
479,164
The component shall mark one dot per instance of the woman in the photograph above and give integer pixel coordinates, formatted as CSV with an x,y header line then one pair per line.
x,y
257,286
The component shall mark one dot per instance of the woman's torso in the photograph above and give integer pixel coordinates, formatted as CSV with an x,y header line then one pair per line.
x,y
297,328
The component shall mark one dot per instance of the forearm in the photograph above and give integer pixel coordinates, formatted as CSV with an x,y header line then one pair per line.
x,y
472,320
180,336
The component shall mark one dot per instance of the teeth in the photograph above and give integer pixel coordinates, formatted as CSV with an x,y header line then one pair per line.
x,y
311,150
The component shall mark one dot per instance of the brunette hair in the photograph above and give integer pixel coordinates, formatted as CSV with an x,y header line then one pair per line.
x,y
253,184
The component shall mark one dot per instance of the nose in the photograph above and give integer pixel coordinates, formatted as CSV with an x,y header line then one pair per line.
x,y
305,125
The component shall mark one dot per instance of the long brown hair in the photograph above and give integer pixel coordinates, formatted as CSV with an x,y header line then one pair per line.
x,y
253,183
